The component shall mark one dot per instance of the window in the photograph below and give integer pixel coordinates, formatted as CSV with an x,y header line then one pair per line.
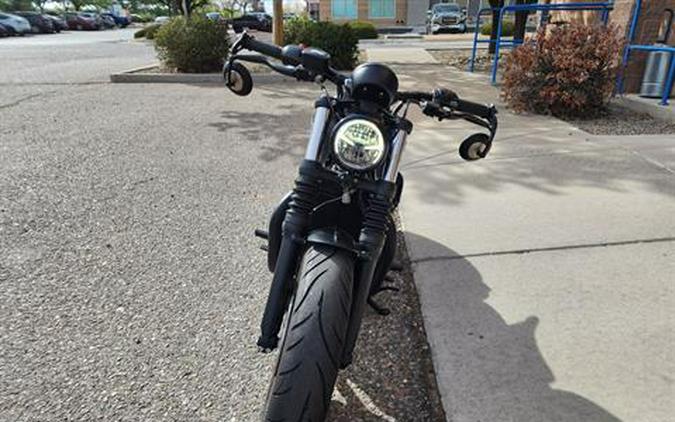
x,y
343,9
382,9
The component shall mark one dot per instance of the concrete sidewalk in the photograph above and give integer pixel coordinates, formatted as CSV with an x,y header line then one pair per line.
x,y
546,271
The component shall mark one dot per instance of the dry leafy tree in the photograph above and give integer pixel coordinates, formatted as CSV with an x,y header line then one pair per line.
x,y
569,70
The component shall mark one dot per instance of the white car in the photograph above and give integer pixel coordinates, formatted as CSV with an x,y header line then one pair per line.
x,y
162,19
15,24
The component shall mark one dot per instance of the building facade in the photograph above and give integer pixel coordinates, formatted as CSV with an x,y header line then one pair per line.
x,y
649,24
386,13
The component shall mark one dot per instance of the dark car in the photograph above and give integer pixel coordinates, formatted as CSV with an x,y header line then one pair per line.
x,y
38,23
121,21
4,32
82,21
59,23
258,20
107,21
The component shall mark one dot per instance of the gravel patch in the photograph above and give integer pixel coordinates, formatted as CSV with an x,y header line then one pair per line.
x,y
460,59
617,120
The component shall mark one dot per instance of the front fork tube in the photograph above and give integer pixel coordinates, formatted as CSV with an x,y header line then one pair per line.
x,y
371,241
294,228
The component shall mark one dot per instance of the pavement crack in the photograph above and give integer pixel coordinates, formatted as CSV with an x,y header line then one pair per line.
x,y
654,162
20,100
547,249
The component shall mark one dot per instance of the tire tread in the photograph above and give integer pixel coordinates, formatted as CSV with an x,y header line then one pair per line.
x,y
308,363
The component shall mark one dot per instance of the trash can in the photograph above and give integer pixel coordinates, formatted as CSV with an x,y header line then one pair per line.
x,y
658,62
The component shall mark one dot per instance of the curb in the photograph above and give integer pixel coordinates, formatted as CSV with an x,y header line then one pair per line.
x,y
139,75
649,106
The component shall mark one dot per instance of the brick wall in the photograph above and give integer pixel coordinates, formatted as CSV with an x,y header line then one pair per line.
x,y
362,10
647,32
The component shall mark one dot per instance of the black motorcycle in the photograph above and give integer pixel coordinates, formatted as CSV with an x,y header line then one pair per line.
x,y
332,239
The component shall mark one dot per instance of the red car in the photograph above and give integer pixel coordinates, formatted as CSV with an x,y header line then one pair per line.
x,y
82,21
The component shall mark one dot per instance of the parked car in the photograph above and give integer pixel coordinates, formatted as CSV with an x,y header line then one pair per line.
x,y
257,20
40,24
4,31
59,23
107,21
96,17
81,21
15,24
446,17
162,19
121,21
215,16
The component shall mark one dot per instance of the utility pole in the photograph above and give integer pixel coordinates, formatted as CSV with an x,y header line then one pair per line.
x,y
278,23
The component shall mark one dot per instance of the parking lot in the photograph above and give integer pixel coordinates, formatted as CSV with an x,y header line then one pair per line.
x,y
132,284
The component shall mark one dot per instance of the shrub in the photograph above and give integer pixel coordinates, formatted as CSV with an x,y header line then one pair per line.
x,y
363,30
569,71
508,29
193,45
140,33
339,41
151,31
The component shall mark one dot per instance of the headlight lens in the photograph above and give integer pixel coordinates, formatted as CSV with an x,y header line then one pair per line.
x,y
359,144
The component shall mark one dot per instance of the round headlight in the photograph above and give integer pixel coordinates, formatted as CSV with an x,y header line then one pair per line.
x,y
358,144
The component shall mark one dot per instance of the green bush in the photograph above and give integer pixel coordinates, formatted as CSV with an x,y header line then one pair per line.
x,y
340,41
193,45
151,31
363,30
508,29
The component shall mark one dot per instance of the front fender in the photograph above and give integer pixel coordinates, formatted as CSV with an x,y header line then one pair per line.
x,y
333,236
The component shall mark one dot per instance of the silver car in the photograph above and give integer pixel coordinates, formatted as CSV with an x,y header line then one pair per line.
x,y
446,17
15,24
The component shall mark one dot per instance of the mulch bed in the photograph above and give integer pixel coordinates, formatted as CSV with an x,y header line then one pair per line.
x,y
617,120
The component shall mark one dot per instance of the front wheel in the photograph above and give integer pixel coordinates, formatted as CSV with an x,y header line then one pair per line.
x,y
310,351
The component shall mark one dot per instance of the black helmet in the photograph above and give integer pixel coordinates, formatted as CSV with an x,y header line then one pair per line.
x,y
374,82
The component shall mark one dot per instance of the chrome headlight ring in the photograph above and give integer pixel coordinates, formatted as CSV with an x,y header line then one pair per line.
x,y
358,143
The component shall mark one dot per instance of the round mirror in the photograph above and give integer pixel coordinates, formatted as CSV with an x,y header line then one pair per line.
x,y
238,79
475,147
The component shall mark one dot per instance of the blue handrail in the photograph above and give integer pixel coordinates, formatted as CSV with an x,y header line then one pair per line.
x,y
604,7
668,88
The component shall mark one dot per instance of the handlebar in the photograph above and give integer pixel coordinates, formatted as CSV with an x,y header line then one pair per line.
x,y
444,98
480,110
308,64
252,44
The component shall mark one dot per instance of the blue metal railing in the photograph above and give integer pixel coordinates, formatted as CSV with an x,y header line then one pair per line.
x,y
500,41
668,88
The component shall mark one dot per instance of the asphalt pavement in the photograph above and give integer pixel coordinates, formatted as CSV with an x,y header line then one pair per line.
x,y
132,286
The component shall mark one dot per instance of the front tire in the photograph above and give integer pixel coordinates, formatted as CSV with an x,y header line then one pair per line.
x,y
309,356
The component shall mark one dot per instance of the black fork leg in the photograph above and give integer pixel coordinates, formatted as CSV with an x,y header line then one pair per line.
x,y
294,230
371,242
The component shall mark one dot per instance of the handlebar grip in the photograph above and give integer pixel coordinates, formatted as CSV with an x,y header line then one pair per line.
x,y
263,48
480,110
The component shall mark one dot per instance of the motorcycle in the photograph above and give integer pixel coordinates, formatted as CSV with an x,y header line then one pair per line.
x,y
332,239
